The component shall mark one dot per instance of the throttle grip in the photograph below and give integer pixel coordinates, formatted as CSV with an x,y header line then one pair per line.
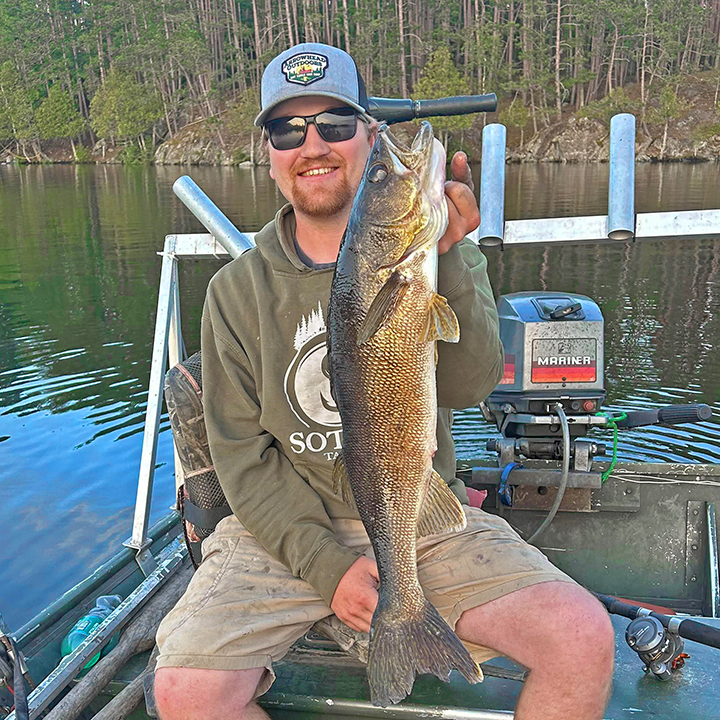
x,y
674,414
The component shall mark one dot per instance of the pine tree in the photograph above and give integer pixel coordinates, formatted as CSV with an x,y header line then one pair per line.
x,y
440,78
57,117
123,109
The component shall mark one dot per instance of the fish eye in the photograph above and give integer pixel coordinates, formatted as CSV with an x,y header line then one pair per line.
x,y
377,173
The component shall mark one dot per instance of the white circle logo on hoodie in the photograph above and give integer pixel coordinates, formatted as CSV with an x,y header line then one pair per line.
x,y
307,380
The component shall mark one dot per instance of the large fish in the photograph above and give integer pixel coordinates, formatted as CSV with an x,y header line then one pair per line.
x,y
385,318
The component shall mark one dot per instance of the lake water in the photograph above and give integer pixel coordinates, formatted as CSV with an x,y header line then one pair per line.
x,y
78,288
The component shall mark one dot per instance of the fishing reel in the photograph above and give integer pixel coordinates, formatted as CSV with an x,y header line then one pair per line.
x,y
659,648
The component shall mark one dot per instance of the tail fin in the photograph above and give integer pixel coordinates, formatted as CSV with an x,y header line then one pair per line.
x,y
420,644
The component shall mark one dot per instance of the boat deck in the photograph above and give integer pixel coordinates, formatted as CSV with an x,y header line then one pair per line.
x,y
314,683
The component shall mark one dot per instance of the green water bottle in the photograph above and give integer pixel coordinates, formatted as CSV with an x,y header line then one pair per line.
x,y
104,605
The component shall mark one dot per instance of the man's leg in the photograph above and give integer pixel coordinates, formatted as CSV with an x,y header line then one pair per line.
x,y
241,612
191,693
562,635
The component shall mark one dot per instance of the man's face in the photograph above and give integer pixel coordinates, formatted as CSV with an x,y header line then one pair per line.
x,y
340,164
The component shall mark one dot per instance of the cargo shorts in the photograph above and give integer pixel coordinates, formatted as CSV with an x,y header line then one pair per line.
x,y
243,608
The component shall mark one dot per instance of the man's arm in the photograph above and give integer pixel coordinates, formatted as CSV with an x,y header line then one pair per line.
x,y
270,499
469,370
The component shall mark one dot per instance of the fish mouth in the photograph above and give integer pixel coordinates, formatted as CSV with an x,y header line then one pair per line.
x,y
426,158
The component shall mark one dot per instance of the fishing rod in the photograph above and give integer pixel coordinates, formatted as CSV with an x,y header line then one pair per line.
x,y
395,110
684,627
658,638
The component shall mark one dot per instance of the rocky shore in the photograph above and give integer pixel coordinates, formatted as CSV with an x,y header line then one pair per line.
x,y
692,136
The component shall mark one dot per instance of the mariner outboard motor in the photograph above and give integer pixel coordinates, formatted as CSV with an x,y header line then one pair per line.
x,y
553,356
552,391
554,367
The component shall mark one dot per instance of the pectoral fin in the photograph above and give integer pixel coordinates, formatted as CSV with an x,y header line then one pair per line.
x,y
441,511
383,306
442,323
341,482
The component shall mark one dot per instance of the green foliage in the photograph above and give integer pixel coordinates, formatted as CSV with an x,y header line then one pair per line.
x,y
240,115
172,62
603,110
57,116
669,107
706,131
16,107
135,155
515,115
83,154
440,78
124,109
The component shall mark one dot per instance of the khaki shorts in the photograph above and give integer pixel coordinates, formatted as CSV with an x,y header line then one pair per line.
x,y
243,609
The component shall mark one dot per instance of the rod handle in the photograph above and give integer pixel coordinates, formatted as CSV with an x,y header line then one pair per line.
x,y
393,110
669,415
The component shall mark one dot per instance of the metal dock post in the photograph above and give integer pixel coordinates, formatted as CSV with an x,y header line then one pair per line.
x,y
621,191
492,185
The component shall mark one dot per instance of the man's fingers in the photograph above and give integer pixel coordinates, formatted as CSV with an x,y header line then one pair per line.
x,y
463,198
460,170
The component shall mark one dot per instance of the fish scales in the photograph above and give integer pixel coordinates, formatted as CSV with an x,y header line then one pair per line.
x,y
384,319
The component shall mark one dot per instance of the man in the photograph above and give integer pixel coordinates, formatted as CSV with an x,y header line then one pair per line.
x,y
292,552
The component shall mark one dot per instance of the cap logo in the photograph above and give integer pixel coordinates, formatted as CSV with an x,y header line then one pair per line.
x,y
305,68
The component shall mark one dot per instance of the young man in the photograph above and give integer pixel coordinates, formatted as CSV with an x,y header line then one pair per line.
x,y
292,552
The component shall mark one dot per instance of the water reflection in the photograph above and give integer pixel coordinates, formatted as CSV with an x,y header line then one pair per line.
x,y
78,290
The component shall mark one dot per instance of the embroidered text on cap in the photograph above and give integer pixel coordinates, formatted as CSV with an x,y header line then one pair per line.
x,y
305,68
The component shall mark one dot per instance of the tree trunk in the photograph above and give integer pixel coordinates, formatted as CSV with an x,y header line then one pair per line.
x,y
611,63
401,30
346,25
558,87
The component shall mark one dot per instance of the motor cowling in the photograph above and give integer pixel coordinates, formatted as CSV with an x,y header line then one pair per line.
x,y
554,353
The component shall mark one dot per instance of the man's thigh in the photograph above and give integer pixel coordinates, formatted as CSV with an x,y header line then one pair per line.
x,y
242,609
488,560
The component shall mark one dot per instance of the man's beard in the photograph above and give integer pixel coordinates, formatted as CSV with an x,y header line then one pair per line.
x,y
323,204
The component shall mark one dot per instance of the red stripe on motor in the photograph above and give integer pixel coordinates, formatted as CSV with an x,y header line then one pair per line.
x,y
567,373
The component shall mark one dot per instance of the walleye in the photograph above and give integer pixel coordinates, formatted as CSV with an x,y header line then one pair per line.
x,y
385,316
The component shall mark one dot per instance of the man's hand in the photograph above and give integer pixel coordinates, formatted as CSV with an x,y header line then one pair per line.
x,y
463,211
356,595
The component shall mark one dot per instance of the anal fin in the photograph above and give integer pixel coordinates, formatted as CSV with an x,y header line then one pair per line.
x,y
441,510
442,323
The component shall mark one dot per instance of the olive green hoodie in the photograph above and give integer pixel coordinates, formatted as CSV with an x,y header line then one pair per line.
x,y
273,427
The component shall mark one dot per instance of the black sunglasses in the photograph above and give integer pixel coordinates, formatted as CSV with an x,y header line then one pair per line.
x,y
336,125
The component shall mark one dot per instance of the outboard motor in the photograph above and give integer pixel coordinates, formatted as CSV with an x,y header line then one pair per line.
x,y
553,356
552,390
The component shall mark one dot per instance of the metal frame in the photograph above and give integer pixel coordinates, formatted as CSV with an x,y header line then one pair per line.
x,y
41,697
713,561
226,240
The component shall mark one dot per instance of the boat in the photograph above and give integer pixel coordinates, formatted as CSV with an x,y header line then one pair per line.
x,y
643,536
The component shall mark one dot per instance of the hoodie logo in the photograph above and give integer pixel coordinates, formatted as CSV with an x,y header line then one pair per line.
x,y
305,68
307,380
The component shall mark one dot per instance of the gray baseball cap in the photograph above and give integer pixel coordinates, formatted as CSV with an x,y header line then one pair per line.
x,y
311,69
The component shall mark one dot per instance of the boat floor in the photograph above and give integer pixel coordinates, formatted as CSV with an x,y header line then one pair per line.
x,y
318,682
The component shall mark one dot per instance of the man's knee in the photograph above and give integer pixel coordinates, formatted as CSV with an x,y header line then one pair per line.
x,y
582,630
181,692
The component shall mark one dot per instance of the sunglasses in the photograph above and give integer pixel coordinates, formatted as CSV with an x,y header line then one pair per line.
x,y
336,125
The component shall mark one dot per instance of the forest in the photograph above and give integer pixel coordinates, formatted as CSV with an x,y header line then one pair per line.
x,y
136,72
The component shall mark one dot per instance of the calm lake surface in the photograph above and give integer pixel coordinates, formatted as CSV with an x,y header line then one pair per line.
x,y
78,288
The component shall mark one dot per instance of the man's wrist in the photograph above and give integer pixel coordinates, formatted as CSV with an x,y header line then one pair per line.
x,y
328,567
